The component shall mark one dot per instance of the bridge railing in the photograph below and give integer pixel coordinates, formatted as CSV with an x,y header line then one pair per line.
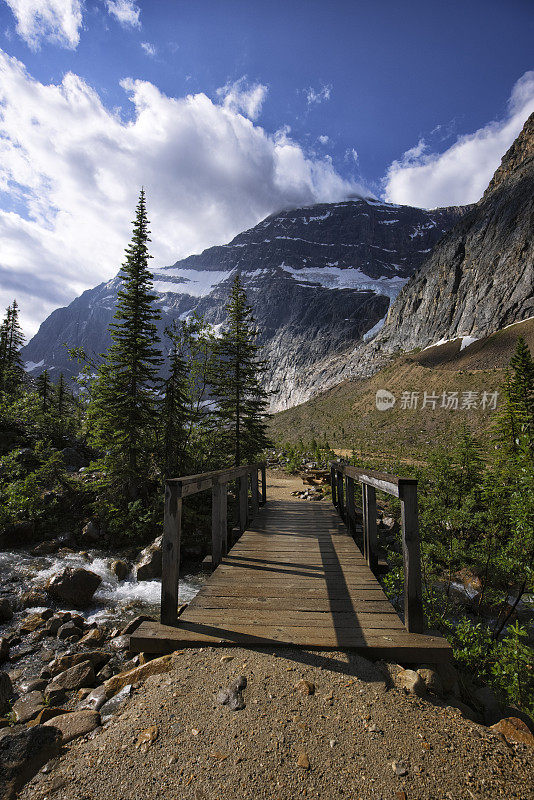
x,y
343,478
178,488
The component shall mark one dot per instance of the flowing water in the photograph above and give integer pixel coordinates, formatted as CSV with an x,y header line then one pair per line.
x,y
114,603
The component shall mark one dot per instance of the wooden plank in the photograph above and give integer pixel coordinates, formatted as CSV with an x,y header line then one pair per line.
x,y
283,604
413,592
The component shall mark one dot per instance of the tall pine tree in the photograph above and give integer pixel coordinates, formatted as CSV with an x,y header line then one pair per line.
x,y
44,390
11,340
237,382
175,409
125,401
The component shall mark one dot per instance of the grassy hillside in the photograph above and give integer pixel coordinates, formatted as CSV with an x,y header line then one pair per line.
x,y
348,418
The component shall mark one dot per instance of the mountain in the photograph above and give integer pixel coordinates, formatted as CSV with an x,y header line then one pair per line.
x,y
478,279
319,279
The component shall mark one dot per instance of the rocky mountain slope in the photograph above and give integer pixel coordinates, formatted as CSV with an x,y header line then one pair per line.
x,y
319,279
478,279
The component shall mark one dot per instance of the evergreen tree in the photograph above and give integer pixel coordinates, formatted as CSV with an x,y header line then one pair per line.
x,y
124,402
175,409
236,383
515,430
11,340
44,390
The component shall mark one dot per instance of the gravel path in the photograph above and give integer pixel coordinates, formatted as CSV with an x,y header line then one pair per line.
x,y
350,731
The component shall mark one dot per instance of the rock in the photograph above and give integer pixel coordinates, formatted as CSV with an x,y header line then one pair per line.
x,y
32,623
449,678
120,569
75,677
55,696
134,624
72,458
69,631
111,706
6,692
400,768
486,700
95,699
23,753
390,524
514,730
55,622
410,681
34,598
32,685
28,706
49,712
465,710
305,687
75,724
6,612
148,566
62,663
137,675
120,643
303,761
232,696
146,738
4,649
92,637
74,586
431,680
90,533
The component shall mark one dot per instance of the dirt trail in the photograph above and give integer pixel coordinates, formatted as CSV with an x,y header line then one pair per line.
x,y
352,737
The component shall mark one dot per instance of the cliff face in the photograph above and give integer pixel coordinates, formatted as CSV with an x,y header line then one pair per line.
x,y
480,277
319,278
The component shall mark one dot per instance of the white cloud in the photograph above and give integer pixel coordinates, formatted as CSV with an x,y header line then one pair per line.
x,y
351,155
71,170
460,174
323,139
57,21
318,95
125,11
149,49
241,97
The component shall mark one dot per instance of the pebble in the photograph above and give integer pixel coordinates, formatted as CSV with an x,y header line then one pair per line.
x,y
399,768
303,761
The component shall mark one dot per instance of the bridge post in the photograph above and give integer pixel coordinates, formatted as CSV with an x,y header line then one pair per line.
x,y
340,493
351,511
218,522
243,502
411,554
263,485
333,481
170,552
369,526
254,490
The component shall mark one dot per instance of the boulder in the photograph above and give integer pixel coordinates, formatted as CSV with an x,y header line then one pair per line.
x,y
75,724
22,754
449,678
90,533
134,624
410,681
132,676
28,706
514,730
31,623
6,612
73,459
32,685
148,566
75,677
4,649
55,622
120,643
34,597
120,569
49,712
69,631
6,692
92,637
96,657
74,586
431,680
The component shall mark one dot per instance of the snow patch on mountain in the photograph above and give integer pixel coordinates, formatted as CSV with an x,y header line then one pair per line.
x,y
348,278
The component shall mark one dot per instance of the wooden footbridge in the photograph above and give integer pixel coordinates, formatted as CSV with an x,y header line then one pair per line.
x,y
295,575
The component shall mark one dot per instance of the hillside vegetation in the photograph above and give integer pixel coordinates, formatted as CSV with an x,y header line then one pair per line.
x,y
346,416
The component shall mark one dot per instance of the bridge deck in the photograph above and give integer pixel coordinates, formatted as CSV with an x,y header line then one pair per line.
x,y
295,577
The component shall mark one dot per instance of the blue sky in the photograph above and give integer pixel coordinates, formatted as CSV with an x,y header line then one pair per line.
x,y
229,110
